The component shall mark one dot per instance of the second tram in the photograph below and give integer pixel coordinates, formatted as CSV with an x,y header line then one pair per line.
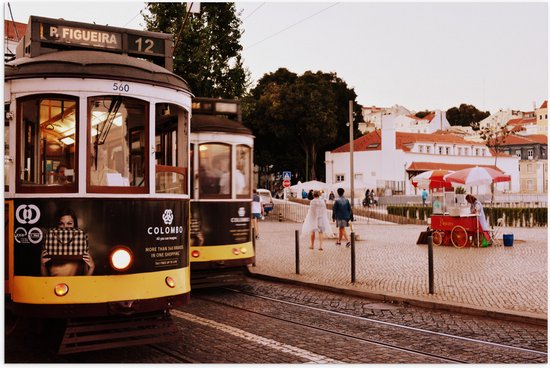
x,y
221,171
96,183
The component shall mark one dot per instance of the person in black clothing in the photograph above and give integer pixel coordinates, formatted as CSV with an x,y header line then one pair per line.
x,y
310,195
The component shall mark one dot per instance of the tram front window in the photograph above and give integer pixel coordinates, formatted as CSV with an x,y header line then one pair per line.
x,y
117,133
47,143
215,170
170,149
242,175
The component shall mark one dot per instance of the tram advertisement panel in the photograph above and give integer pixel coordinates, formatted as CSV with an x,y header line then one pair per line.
x,y
220,223
154,230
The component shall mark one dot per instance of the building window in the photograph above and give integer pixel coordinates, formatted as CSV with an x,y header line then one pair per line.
x,y
529,168
460,151
427,149
447,150
440,150
466,152
530,185
420,149
530,154
339,178
518,153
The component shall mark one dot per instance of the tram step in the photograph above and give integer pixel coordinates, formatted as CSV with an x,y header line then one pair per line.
x,y
106,333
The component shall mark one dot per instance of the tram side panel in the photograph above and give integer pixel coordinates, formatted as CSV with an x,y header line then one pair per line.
x,y
154,231
220,231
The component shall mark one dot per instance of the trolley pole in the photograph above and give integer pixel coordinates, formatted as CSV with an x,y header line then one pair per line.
x,y
352,257
430,264
297,246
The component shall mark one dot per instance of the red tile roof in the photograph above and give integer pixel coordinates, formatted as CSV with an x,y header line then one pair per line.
x,y
9,30
526,139
425,166
544,105
403,140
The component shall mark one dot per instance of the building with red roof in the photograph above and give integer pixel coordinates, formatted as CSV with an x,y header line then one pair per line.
x,y
386,159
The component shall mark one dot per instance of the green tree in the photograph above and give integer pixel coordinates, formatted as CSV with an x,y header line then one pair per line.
x,y
465,115
296,118
208,52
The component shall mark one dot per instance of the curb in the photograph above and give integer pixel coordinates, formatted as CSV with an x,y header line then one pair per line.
x,y
524,317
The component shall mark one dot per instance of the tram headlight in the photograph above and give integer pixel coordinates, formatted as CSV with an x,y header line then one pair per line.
x,y
243,250
121,258
61,289
195,254
236,251
170,281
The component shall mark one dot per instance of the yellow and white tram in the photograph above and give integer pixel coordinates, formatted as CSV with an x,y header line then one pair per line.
x,y
221,171
96,181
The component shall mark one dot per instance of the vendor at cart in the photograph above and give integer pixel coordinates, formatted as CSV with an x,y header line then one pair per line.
x,y
477,208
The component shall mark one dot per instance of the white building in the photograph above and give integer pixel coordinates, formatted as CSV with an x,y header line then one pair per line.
x,y
386,159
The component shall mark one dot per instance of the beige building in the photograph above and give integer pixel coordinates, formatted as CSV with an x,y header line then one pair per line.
x,y
542,118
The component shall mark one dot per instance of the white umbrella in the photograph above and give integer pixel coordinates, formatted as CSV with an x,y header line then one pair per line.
x,y
477,176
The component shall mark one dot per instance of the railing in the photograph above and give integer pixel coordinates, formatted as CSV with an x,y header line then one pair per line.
x,y
515,214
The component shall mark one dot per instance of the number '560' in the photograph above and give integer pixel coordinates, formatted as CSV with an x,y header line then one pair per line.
x,y
121,87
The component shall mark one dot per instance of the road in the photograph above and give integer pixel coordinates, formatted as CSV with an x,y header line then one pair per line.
x,y
267,322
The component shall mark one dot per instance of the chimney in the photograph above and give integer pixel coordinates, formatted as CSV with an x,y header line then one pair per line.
x,y
388,133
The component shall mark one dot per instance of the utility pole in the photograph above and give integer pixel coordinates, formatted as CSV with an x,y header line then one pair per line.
x,y
352,175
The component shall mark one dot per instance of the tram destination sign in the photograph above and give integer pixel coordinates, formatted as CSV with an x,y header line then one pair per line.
x,y
44,35
80,36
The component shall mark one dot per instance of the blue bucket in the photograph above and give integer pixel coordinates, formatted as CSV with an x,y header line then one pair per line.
x,y
508,240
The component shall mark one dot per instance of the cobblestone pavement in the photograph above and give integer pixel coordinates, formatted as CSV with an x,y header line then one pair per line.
x,y
498,281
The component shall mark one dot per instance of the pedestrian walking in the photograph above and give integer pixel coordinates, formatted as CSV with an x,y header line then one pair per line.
x,y
310,195
317,221
257,212
331,196
342,215
424,197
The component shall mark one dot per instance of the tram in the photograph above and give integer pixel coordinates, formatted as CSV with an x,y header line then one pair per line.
x,y
96,183
221,171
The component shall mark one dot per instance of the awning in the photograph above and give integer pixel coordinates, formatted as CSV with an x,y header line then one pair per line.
x,y
426,166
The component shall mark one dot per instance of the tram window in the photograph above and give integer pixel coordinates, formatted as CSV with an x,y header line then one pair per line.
x,y
47,144
242,175
117,133
7,159
215,170
170,149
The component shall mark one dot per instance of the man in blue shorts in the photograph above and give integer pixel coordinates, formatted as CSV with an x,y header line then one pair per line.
x,y
342,214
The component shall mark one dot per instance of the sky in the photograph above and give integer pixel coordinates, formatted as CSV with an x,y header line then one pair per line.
x,y
419,55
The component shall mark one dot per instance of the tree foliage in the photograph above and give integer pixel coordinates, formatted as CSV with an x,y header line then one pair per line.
x,y
465,115
208,53
296,118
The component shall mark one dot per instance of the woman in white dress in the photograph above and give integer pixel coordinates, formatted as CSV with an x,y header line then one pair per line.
x,y
317,221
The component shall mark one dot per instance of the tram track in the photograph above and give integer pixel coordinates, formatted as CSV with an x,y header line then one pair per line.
x,y
443,347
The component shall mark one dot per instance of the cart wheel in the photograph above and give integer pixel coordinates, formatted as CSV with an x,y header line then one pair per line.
x,y
437,237
459,236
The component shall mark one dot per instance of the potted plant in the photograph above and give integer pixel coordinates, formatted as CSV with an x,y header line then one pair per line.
x,y
460,195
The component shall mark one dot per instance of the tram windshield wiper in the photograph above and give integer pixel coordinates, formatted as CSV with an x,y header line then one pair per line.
x,y
106,125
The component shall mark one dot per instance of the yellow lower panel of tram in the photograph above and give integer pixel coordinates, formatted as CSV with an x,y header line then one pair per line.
x,y
101,289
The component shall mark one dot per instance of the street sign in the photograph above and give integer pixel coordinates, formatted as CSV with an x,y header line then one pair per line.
x,y
286,183
286,175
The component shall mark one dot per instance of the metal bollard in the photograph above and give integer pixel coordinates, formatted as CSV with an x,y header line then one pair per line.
x,y
352,257
254,245
280,217
297,246
430,264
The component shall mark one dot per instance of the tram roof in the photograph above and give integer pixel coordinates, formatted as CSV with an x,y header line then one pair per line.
x,y
213,123
93,64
